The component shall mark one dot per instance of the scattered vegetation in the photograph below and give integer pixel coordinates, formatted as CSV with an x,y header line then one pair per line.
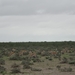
x,y
29,55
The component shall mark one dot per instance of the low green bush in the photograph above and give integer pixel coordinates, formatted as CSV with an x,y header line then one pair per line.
x,y
2,62
15,70
72,62
66,69
58,66
26,66
2,69
49,57
36,69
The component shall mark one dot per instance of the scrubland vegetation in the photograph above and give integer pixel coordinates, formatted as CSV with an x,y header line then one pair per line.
x,y
37,58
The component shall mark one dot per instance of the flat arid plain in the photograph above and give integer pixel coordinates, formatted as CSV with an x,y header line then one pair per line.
x,y
37,58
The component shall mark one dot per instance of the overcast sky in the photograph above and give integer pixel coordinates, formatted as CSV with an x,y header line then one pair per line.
x,y
37,20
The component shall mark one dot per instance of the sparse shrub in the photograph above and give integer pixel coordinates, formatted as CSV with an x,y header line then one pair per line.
x,y
58,67
1,56
49,57
72,54
63,69
72,62
36,69
69,69
25,62
55,56
25,58
2,69
4,73
31,62
59,55
45,53
15,68
39,53
2,62
50,68
14,58
14,65
36,60
64,60
26,53
71,58
66,69
26,66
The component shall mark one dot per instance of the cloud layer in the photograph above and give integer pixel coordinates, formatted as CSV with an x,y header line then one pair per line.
x,y
37,20
37,28
31,7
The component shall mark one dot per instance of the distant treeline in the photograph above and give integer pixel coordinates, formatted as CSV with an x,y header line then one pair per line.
x,y
70,44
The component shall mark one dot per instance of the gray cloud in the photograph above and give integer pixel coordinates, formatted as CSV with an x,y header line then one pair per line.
x,y
37,28
37,20
32,7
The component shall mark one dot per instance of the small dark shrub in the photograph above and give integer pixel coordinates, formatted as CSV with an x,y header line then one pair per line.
x,y
50,68
71,58
58,66
72,62
36,60
36,69
25,53
64,60
66,69
1,56
26,66
2,69
2,62
72,54
25,62
15,65
49,57
14,58
69,69
55,56
15,70
25,58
